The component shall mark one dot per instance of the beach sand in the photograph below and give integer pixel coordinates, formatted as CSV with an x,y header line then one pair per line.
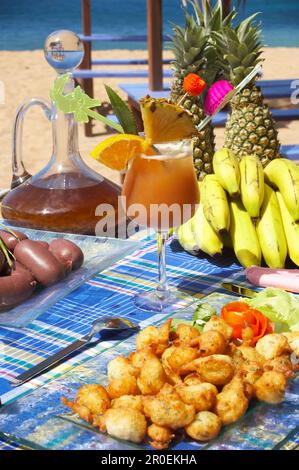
x,y
26,74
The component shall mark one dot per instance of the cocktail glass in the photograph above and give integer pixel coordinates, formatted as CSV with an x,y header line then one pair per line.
x,y
161,192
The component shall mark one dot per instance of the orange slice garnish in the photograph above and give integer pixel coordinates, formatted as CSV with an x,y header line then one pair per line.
x,y
116,151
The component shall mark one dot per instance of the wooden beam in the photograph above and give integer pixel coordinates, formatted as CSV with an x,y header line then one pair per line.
x,y
226,5
154,28
87,83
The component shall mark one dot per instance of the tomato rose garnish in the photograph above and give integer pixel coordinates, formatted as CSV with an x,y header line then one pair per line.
x,y
240,315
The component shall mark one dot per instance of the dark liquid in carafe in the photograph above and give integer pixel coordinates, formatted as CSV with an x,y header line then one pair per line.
x,y
60,202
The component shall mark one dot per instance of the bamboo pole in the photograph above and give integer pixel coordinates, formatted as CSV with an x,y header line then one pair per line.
x,y
87,83
226,4
154,28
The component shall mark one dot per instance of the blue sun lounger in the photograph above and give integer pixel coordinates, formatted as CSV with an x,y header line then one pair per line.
x,y
270,88
124,61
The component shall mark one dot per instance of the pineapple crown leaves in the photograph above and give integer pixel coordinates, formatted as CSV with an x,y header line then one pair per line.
x,y
193,51
239,49
211,18
194,46
188,45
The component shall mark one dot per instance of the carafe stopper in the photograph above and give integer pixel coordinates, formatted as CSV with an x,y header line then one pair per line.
x,y
64,50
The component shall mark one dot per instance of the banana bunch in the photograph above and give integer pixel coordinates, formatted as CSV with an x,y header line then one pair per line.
x,y
214,204
197,234
252,184
252,210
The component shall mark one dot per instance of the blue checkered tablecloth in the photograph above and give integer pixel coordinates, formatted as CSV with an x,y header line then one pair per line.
x,y
109,292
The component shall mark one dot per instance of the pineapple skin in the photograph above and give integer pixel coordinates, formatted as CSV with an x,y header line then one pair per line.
x,y
250,128
204,141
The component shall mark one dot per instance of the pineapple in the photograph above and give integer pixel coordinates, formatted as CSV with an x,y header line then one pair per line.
x,y
195,52
250,128
164,121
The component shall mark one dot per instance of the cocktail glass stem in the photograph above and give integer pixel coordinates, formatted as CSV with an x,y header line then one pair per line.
x,y
162,288
162,298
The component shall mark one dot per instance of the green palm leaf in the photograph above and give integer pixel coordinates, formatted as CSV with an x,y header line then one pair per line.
x,y
122,112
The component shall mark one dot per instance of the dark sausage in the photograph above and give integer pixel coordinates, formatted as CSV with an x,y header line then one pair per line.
x,y
16,287
42,243
10,240
68,253
41,263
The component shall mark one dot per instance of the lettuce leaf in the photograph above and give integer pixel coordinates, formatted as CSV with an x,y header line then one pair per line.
x,y
279,306
201,316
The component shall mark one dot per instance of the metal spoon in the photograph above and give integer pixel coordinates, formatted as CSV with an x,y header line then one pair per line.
x,y
104,323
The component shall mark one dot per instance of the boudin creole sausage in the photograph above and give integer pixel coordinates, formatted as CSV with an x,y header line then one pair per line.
x,y
16,287
42,243
39,260
68,253
10,240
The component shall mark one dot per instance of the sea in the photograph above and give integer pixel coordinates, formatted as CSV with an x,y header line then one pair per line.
x,y
24,24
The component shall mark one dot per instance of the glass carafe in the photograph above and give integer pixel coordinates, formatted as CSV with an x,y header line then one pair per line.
x,y
64,195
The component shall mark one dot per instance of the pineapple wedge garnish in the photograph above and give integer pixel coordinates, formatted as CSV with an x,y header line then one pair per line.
x,y
164,121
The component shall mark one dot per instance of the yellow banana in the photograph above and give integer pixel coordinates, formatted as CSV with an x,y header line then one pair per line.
x,y
291,230
206,239
284,175
214,203
270,231
252,184
226,168
186,237
243,235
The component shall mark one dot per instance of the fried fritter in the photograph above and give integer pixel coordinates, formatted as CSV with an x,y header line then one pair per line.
x,y
270,387
232,402
250,371
216,369
251,354
248,363
272,345
281,364
91,399
211,342
154,338
206,426
293,340
133,402
126,385
122,378
186,334
120,367
202,396
217,324
174,358
139,358
152,376
81,410
127,424
247,336
192,379
167,409
160,436
179,356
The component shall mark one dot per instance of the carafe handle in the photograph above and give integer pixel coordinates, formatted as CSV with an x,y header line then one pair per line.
x,y
19,172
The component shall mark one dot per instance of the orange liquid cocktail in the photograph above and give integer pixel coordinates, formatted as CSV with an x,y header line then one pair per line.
x,y
165,188
161,191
